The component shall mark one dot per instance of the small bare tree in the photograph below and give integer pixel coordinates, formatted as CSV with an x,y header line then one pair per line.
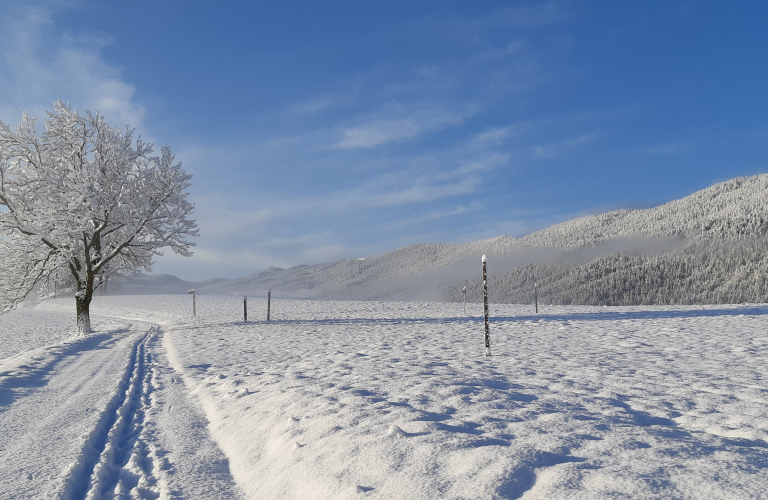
x,y
82,199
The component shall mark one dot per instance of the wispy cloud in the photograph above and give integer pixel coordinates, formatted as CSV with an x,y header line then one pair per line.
x,y
434,215
552,150
384,191
496,136
233,261
379,132
414,121
217,219
670,148
39,65
311,106
309,247
397,188
533,15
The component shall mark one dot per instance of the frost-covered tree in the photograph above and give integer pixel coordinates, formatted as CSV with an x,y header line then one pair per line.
x,y
82,200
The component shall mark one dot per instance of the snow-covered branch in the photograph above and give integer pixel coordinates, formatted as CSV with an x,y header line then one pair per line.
x,y
90,196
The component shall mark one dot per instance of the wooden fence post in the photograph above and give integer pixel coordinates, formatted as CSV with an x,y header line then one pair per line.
x,y
194,309
485,310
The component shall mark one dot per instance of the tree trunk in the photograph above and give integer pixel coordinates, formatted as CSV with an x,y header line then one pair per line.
x,y
83,303
83,316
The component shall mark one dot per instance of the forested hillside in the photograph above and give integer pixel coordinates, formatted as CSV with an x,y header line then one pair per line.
x,y
731,209
704,272
705,248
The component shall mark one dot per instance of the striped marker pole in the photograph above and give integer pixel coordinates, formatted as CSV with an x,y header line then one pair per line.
x,y
194,307
269,302
485,310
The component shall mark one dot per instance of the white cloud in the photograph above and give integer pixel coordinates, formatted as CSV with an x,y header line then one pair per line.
x,y
552,150
381,192
433,215
40,65
418,119
219,258
379,132
496,136
512,48
216,219
533,15
310,107
674,148
397,188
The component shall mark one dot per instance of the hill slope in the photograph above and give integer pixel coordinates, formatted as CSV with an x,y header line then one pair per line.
x,y
599,259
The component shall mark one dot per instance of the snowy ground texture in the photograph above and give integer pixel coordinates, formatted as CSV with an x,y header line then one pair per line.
x,y
382,400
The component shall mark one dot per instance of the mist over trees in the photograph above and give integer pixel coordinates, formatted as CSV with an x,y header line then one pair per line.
x,y
706,248
703,272
81,201
723,260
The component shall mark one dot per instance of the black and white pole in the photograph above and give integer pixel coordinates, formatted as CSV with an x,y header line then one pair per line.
x,y
485,311
194,310
464,291
245,309
536,296
269,302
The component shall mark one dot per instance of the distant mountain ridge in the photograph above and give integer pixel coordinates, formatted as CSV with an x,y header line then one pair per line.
x,y
731,210
618,257
152,284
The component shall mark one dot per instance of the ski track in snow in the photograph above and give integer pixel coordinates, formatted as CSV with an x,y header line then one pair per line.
x,y
118,460
51,400
100,417
396,400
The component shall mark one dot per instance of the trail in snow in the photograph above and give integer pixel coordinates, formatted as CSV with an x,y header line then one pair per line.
x,y
118,461
51,399
100,417
396,400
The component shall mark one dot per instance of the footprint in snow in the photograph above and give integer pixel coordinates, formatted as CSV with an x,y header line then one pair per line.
x,y
396,432
292,421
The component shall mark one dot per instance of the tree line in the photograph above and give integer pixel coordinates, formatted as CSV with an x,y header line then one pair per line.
x,y
702,272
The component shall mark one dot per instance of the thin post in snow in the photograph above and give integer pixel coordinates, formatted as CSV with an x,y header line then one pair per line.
x,y
269,302
485,310
464,291
245,309
194,307
536,296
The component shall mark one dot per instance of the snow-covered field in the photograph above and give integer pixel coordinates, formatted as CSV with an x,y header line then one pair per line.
x,y
382,400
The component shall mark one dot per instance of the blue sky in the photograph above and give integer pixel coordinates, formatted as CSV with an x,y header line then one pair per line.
x,y
325,130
